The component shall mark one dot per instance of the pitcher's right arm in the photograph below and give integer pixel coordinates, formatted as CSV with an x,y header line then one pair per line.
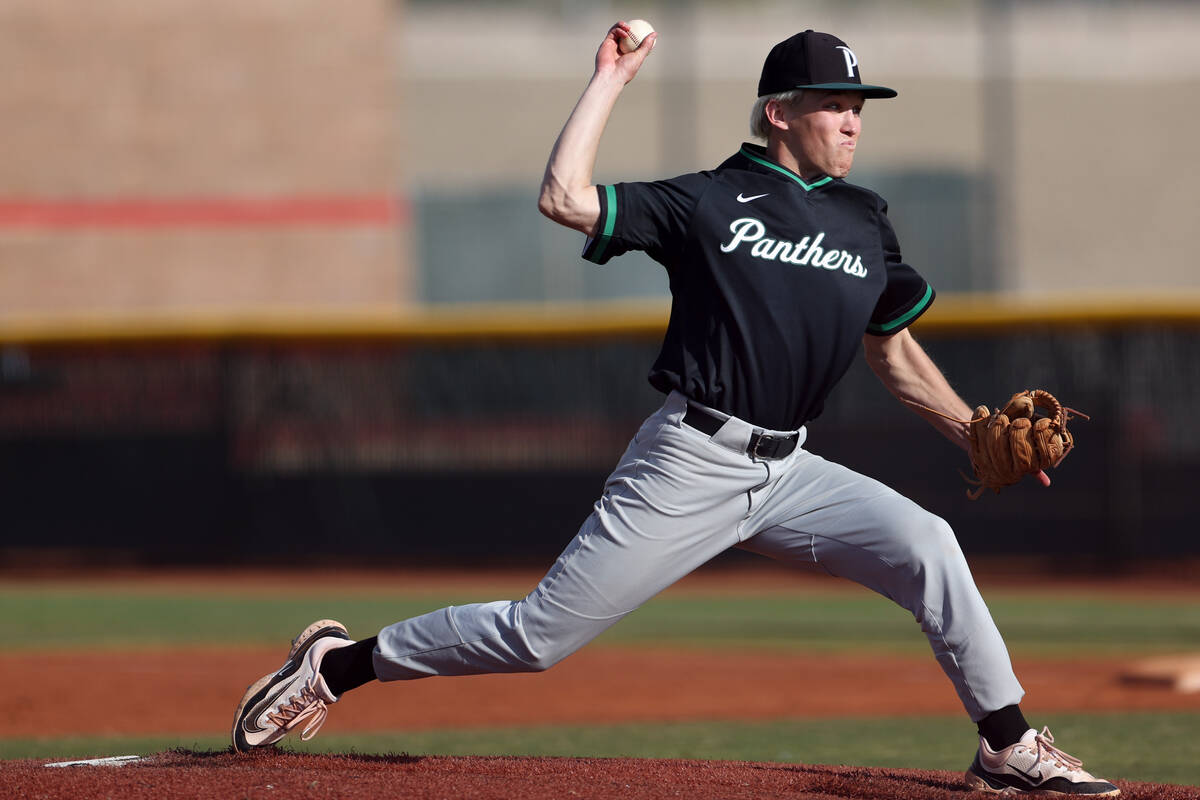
x,y
568,195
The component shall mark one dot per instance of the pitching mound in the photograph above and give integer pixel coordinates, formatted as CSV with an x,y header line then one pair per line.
x,y
184,774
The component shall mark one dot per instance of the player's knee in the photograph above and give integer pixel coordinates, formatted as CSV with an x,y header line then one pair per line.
x,y
541,664
538,653
541,660
930,544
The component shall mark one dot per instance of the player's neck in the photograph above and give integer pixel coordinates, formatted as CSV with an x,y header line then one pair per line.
x,y
781,154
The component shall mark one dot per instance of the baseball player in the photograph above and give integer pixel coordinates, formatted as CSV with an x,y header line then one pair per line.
x,y
778,270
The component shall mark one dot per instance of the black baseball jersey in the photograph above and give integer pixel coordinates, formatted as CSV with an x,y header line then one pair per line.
x,y
774,281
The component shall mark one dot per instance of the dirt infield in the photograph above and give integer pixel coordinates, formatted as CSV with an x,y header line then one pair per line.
x,y
596,686
182,774
127,692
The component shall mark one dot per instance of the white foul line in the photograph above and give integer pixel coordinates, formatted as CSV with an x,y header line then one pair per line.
x,y
111,761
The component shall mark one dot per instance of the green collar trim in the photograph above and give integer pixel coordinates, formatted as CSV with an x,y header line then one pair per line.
x,y
757,159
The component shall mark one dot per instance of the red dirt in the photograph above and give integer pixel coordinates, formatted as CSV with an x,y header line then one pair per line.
x,y
194,691
288,775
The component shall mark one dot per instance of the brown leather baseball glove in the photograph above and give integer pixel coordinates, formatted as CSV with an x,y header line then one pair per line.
x,y
1026,436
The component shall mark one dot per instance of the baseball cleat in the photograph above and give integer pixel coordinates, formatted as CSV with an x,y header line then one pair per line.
x,y
1033,765
293,696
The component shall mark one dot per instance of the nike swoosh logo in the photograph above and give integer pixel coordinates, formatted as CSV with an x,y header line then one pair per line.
x,y
743,199
250,720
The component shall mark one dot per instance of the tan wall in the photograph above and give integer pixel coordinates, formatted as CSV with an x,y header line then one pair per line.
x,y
172,100
1107,185
189,270
1106,103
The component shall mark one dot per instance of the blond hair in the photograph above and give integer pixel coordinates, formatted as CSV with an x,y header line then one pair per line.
x,y
760,126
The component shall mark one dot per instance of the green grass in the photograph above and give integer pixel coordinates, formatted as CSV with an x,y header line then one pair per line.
x,y
33,616
1039,624
1126,746
1143,746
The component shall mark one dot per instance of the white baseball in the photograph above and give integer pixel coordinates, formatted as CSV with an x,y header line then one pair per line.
x,y
639,29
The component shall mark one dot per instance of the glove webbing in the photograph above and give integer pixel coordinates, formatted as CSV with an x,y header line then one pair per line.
x,y
1007,444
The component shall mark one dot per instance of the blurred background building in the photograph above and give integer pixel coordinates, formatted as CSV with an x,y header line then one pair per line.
x,y
276,267
185,155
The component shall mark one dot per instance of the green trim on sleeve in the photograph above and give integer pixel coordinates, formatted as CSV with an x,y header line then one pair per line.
x,y
610,222
906,317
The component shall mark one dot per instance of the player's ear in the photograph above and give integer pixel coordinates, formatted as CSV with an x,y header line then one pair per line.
x,y
777,114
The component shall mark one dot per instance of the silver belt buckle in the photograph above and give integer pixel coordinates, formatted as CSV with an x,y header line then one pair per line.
x,y
758,440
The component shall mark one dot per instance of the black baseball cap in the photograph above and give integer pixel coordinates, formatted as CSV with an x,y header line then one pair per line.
x,y
812,60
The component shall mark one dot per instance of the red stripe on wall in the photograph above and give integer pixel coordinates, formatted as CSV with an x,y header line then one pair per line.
x,y
380,210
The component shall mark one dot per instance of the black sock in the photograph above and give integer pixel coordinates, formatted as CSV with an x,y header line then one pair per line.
x,y
1004,727
348,668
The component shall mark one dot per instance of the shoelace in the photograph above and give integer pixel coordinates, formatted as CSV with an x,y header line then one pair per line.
x,y
302,707
1046,751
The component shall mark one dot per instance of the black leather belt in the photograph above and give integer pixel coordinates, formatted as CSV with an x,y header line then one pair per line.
x,y
762,445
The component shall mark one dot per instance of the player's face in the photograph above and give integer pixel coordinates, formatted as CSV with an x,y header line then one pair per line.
x,y
823,131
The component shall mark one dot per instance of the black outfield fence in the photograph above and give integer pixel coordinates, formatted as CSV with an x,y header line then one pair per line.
x,y
412,444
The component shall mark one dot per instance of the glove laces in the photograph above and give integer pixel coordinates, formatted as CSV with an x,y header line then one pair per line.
x,y
303,708
1046,751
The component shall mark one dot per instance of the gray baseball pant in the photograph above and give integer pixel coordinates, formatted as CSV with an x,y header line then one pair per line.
x,y
676,499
